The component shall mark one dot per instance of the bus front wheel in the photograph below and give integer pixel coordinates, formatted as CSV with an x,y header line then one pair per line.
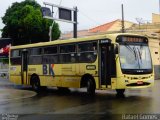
x,y
35,82
90,87
120,92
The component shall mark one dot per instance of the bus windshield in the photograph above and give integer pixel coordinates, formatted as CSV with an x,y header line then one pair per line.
x,y
136,56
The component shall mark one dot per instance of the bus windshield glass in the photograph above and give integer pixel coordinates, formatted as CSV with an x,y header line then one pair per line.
x,y
135,56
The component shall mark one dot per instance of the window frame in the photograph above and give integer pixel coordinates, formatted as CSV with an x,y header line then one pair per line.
x,y
68,53
83,52
34,55
54,54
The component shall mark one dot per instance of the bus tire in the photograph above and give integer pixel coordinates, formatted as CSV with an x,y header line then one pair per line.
x,y
35,82
90,87
120,92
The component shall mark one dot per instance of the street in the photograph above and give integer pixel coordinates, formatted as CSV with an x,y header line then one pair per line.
x,y
25,104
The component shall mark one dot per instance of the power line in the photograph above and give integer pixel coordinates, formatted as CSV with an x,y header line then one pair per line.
x,y
82,13
94,21
59,5
85,15
91,19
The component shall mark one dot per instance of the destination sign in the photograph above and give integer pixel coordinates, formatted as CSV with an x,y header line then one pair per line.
x,y
105,41
132,39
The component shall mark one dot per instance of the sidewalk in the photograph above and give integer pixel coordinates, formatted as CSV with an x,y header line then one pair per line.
x,y
10,91
5,83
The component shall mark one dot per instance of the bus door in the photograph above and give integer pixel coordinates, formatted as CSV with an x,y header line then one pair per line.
x,y
24,66
107,62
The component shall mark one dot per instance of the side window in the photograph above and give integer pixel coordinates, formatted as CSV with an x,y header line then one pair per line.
x,y
83,47
35,56
87,52
50,50
15,53
50,55
68,53
16,57
35,51
67,49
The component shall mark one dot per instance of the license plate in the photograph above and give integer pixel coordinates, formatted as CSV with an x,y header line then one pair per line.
x,y
139,82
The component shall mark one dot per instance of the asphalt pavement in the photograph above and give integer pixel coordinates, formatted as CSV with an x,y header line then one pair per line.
x,y
21,103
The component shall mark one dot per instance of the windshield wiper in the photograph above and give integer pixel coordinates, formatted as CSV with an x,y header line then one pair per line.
x,y
139,53
132,50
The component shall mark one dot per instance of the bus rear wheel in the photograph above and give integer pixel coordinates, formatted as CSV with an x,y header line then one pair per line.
x,y
90,87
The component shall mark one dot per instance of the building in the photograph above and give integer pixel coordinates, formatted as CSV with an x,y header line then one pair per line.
x,y
155,18
115,25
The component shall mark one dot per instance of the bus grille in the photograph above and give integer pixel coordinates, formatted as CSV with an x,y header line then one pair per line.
x,y
135,78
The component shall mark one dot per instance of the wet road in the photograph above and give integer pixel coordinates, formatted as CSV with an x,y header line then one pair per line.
x,y
75,104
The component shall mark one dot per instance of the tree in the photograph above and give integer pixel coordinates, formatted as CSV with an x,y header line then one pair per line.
x,y
24,23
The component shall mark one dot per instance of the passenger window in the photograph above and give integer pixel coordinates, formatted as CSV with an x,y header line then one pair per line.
x,y
50,59
87,47
87,52
16,57
50,55
50,50
67,54
15,53
35,57
36,51
67,49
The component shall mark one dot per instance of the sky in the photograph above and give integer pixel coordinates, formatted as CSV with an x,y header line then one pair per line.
x,y
92,13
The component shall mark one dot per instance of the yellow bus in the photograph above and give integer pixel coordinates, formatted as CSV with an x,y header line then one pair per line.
x,y
111,61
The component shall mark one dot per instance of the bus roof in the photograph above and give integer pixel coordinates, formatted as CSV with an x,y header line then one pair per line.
x,y
74,40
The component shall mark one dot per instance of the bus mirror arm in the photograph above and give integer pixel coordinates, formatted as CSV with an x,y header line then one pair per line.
x,y
116,57
116,49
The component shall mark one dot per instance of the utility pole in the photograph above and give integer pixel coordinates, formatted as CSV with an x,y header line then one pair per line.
x,y
50,31
140,21
75,24
123,27
159,6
